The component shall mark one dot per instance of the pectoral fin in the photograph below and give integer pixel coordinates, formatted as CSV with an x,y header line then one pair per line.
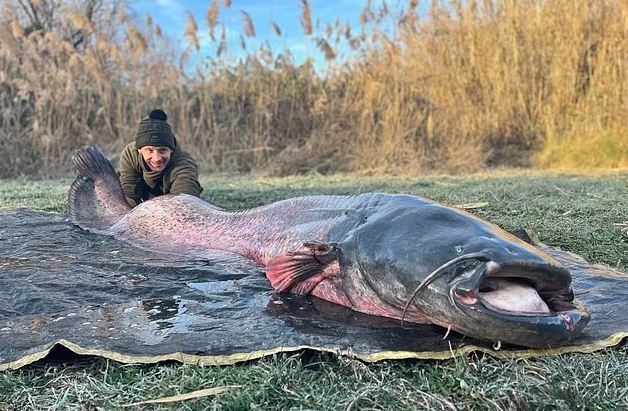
x,y
301,270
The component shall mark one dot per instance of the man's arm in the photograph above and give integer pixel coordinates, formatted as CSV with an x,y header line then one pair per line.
x,y
184,179
131,179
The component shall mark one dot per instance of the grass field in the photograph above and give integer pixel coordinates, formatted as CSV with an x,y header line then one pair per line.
x,y
575,212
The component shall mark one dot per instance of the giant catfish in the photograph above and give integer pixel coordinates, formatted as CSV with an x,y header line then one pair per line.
x,y
396,256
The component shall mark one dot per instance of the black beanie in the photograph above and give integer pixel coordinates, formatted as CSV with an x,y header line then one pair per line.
x,y
155,131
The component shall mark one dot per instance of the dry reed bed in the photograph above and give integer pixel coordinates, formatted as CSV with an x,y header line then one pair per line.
x,y
460,87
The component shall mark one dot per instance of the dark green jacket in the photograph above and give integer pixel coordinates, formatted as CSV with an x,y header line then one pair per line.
x,y
139,183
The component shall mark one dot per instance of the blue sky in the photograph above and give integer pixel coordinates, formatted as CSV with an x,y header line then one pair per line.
x,y
171,15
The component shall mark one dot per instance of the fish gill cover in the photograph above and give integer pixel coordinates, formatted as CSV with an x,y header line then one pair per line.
x,y
99,296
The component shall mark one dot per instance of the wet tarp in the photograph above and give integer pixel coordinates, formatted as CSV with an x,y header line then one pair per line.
x,y
60,285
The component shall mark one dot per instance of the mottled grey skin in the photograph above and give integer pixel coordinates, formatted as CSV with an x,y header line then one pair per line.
x,y
369,252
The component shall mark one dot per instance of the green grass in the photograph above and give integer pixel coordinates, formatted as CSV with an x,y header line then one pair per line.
x,y
38,195
585,150
570,211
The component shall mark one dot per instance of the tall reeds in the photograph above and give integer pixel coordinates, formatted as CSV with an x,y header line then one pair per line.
x,y
459,87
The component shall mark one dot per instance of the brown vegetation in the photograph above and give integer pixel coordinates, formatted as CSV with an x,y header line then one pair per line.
x,y
469,85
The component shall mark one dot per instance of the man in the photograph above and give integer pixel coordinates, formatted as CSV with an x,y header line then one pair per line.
x,y
154,165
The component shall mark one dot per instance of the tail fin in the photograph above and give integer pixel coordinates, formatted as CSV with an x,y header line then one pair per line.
x,y
96,200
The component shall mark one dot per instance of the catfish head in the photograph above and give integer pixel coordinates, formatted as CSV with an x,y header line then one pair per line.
x,y
421,262
433,264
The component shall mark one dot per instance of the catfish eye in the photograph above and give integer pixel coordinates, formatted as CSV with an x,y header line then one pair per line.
x,y
458,249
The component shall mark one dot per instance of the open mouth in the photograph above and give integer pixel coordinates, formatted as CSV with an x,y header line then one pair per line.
x,y
517,290
508,296
525,302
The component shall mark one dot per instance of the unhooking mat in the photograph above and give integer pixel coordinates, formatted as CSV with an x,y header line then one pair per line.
x,y
60,285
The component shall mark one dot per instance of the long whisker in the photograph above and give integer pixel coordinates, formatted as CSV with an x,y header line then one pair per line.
x,y
435,273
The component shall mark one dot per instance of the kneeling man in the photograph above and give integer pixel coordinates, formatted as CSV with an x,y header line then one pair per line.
x,y
154,164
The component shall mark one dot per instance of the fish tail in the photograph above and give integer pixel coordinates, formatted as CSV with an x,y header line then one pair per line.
x,y
96,200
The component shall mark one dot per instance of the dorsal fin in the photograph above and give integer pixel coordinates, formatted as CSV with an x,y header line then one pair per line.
x,y
96,200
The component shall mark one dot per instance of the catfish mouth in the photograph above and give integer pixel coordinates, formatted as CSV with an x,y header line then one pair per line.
x,y
535,299
523,289
510,296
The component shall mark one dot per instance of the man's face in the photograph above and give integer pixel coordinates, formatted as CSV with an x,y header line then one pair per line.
x,y
156,157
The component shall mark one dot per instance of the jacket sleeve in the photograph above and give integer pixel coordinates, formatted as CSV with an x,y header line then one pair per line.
x,y
184,179
131,178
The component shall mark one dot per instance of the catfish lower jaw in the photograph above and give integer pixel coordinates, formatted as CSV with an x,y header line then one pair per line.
x,y
529,329
516,312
